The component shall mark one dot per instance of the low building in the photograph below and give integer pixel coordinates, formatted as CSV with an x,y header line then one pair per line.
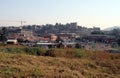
x,y
46,45
101,38
12,41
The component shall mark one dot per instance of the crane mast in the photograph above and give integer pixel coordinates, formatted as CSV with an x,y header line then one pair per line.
x,y
21,22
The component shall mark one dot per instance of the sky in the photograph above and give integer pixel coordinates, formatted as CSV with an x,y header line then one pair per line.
x,y
88,13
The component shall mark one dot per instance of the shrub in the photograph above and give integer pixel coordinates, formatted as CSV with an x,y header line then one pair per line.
x,y
36,73
28,50
12,50
35,51
79,53
50,53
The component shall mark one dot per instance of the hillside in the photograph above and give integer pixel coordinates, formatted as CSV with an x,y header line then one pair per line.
x,y
111,28
62,65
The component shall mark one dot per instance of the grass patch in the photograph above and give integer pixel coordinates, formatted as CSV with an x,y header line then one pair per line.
x,y
35,62
29,66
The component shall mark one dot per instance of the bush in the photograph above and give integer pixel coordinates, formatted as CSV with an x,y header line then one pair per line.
x,y
36,73
81,54
28,50
78,46
35,51
50,53
12,50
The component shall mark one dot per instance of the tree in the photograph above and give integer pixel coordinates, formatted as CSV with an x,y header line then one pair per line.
x,y
59,40
116,33
77,45
118,41
3,34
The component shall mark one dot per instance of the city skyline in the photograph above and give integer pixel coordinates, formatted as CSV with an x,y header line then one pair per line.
x,y
88,13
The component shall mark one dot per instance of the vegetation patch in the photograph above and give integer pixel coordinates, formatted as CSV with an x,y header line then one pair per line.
x,y
35,62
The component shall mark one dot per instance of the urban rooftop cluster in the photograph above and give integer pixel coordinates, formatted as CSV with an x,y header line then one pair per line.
x,y
68,35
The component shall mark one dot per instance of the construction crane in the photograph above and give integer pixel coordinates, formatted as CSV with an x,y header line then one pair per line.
x,y
21,22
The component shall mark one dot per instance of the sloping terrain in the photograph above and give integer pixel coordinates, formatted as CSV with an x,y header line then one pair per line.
x,y
96,65
111,28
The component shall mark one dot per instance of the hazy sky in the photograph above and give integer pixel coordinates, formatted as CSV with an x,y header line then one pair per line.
x,y
89,13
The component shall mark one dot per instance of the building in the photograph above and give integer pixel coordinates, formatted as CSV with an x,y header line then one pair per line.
x,y
27,35
12,41
101,38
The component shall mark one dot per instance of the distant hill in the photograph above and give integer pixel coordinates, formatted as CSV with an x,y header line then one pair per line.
x,y
111,28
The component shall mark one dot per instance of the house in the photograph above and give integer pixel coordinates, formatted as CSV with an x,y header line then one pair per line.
x,y
51,37
12,41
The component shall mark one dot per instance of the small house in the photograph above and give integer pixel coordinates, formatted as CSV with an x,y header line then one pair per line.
x,y
12,41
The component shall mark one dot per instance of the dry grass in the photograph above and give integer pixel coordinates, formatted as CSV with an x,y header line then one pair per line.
x,y
66,63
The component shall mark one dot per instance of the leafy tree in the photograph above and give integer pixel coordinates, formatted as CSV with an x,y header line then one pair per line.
x,y
118,41
3,34
116,33
59,40
77,46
